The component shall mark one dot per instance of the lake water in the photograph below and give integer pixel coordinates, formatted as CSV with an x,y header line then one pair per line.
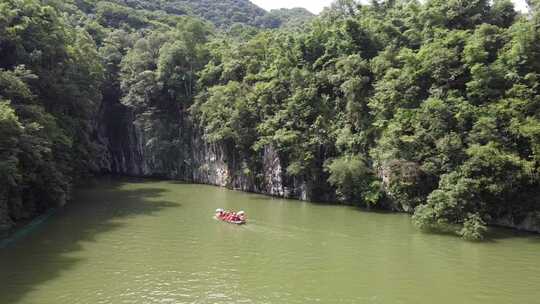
x,y
140,241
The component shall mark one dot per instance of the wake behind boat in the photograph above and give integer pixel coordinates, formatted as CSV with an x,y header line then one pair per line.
x,y
238,218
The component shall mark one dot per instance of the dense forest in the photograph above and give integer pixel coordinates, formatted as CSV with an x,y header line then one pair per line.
x,y
136,14
431,107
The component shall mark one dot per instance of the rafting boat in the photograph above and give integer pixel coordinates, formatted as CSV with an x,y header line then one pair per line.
x,y
237,218
231,221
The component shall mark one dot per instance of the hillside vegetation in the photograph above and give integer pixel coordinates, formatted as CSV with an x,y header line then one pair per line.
x,y
433,107
428,107
223,13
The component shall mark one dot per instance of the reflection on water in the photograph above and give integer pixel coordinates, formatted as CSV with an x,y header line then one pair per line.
x,y
134,241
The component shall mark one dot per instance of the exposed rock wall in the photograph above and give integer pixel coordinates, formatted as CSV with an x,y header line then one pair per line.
x,y
131,150
118,132
531,222
218,165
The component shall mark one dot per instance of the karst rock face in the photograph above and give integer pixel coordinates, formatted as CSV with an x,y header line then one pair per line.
x,y
132,151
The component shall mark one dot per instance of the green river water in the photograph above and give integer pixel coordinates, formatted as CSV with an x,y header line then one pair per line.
x,y
133,241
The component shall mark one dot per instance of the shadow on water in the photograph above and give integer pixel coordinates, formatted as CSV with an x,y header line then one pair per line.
x,y
29,263
493,235
496,233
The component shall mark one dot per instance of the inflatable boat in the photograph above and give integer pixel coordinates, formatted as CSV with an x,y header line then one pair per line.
x,y
232,221
238,219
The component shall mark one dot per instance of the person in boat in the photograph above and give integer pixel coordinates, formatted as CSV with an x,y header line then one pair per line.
x,y
225,214
241,216
230,216
233,217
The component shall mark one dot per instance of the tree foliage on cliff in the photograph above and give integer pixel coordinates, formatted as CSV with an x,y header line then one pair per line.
x,y
50,77
435,104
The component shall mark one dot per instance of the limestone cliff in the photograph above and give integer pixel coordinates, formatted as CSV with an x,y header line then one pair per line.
x,y
135,148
